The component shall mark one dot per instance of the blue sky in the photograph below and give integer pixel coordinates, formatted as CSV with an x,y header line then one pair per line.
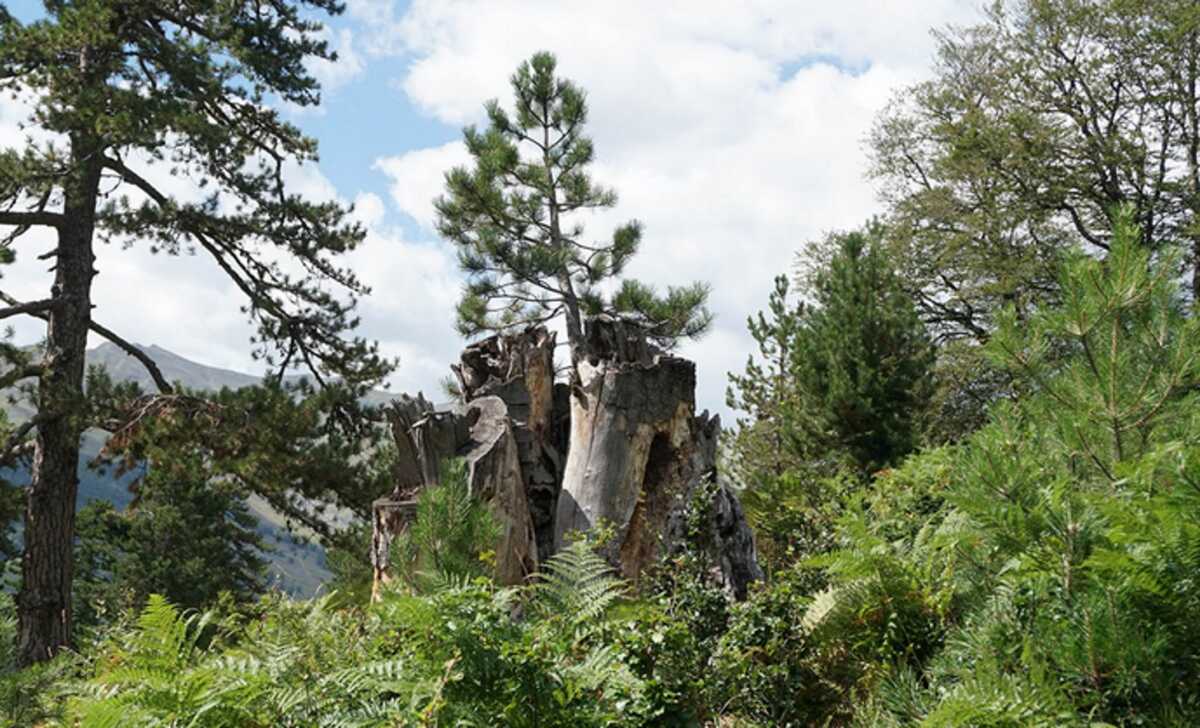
x,y
734,130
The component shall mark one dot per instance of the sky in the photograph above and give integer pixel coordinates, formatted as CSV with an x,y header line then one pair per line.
x,y
734,131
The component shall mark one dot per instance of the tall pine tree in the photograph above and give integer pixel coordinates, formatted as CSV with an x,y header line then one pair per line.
x,y
127,91
514,215
862,358
843,374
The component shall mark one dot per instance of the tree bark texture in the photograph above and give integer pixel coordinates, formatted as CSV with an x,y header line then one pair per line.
x,y
494,476
519,369
47,567
629,461
718,524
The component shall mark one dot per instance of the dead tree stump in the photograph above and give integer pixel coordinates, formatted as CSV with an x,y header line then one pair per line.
x,y
631,438
495,477
622,448
519,369
391,516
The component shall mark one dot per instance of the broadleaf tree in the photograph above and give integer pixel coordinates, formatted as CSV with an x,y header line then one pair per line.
x,y
515,215
1039,122
124,94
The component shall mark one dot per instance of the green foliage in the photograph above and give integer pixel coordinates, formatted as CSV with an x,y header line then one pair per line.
x,y
457,656
183,90
26,696
515,217
843,376
185,536
1051,554
308,453
839,390
861,361
125,94
1009,155
765,391
1037,123
451,539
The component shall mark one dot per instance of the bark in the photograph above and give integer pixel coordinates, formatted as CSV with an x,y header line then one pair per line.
x,y
423,439
391,515
639,457
47,568
636,455
519,369
495,477
630,440
410,468
720,530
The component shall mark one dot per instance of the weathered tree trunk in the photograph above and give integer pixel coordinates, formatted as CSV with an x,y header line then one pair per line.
x,y
630,443
519,369
423,440
638,456
391,515
720,530
495,477
409,469
47,568
508,433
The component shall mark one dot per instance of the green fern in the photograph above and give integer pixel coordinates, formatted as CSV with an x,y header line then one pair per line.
x,y
576,584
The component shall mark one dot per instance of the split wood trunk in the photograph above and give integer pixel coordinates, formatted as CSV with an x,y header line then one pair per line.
x,y
623,451
639,458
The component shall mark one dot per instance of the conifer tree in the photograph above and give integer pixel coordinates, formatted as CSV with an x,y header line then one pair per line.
x,y
185,536
126,92
844,375
514,215
862,358
765,391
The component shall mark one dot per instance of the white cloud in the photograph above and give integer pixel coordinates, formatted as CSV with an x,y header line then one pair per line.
x,y
732,129
417,178
349,65
414,287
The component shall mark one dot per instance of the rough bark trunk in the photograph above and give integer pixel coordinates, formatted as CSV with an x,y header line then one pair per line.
x,y
721,531
495,477
423,439
630,440
519,369
390,517
638,457
44,602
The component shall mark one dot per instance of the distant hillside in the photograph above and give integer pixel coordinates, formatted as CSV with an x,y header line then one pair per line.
x,y
296,566
123,367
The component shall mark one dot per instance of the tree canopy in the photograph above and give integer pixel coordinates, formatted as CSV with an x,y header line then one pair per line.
x,y
1037,124
515,215
125,95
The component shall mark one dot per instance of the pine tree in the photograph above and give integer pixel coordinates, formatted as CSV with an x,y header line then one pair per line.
x,y
514,216
862,357
185,536
838,390
843,377
765,390
123,89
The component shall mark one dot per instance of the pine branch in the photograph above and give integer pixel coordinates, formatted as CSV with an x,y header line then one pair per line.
x,y
28,219
15,444
31,308
155,373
